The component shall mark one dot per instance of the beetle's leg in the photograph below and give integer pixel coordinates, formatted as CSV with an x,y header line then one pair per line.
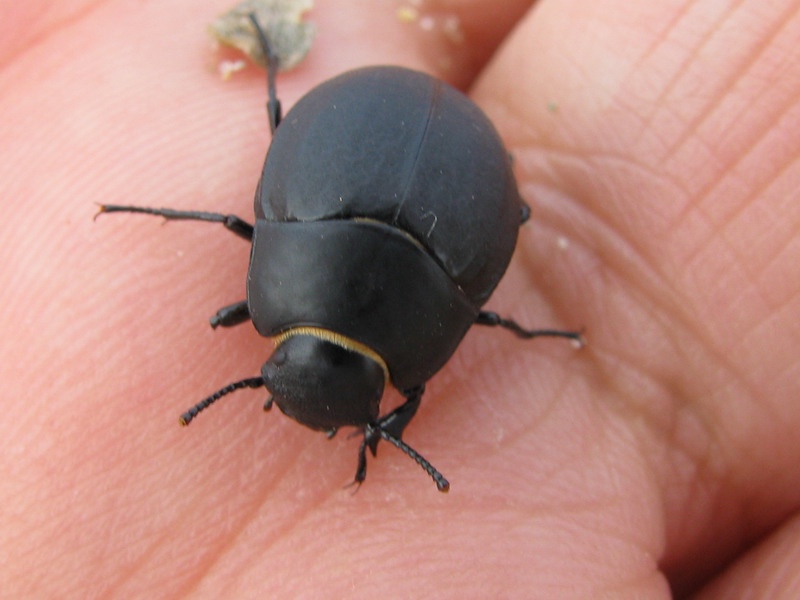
x,y
231,222
524,213
390,428
231,315
396,421
273,104
494,320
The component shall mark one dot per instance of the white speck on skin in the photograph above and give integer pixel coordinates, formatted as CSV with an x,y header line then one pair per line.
x,y
452,29
227,68
426,23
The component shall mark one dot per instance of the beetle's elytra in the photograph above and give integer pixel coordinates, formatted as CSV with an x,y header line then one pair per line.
x,y
386,214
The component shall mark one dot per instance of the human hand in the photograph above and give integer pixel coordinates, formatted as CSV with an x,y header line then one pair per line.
x,y
656,144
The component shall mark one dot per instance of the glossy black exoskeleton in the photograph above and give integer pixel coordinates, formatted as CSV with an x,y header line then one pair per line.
x,y
386,214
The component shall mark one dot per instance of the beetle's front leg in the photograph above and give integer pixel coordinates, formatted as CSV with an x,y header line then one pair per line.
x,y
232,223
396,421
390,428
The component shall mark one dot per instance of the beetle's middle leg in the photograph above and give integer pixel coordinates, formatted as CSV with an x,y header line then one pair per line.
x,y
231,315
227,316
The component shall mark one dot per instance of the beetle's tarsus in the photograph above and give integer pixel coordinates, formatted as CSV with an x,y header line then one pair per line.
x,y
361,469
101,208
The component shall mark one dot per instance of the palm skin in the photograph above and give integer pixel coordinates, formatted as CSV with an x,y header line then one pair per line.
x,y
656,143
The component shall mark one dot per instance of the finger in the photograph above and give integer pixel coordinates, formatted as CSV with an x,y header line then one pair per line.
x,y
451,39
652,142
769,570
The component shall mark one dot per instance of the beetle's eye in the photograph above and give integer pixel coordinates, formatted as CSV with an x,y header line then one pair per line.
x,y
278,357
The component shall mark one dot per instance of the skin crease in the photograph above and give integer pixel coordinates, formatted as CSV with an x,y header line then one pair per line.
x,y
657,145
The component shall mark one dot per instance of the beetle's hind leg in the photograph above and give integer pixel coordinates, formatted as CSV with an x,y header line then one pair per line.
x,y
271,58
492,319
232,223
231,315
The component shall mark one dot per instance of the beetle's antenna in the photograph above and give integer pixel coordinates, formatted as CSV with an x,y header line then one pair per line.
x,y
252,382
441,483
273,104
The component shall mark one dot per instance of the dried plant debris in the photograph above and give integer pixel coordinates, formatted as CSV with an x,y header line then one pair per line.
x,y
282,20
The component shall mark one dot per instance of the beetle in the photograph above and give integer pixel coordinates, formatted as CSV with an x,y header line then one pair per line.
x,y
386,214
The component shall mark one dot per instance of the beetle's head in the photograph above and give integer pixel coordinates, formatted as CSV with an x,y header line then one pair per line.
x,y
323,380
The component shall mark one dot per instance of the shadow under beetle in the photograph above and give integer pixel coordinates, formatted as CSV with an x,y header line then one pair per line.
x,y
386,214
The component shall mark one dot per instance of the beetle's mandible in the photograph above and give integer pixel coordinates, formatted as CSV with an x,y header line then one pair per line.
x,y
386,214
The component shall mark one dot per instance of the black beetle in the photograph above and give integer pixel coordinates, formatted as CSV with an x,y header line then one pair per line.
x,y
386,214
